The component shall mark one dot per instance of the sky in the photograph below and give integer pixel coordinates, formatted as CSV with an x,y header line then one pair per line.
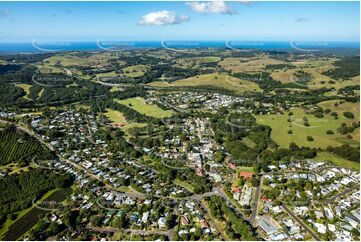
x,y
217,20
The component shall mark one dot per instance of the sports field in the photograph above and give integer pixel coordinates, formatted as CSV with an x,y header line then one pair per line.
x,y
139,105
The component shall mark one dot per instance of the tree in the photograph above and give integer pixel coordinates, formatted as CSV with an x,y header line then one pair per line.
x,y
254,182
348,115
309,138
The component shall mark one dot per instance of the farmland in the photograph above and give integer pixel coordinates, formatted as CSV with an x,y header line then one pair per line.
x,y
17,147
23,224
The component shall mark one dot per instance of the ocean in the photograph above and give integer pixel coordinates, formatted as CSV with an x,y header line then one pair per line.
x,y
100,45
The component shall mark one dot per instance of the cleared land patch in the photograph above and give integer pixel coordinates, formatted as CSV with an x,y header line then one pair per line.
x,y
26,88
115,116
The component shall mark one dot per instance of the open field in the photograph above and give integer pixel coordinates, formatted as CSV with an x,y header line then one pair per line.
x,y
284,76
244,168
326,156
214,79
115,116
342,107
256,65
46,69
135,71
195,61
72,59
317,130
139,105
26,88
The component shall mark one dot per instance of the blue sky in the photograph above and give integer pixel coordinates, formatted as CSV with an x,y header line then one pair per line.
x,y
24,21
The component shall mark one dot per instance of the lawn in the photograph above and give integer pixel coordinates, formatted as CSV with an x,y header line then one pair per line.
x,y
244,168
317,130
139,105
26,88
214,79
326,156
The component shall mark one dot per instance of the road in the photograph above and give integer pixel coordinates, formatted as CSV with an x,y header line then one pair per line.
x,y
132,231
255,203
231,204
294,216
348,190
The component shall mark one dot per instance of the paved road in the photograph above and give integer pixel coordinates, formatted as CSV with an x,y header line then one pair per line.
x,y
212,222
231,204
132,231
348,190
256,200
294,216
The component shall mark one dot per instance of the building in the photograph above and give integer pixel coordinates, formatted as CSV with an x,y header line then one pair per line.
x,y
246,174
268,225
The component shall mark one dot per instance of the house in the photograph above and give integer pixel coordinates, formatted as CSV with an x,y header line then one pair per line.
x,y
320,228
246,174
161,222
268,225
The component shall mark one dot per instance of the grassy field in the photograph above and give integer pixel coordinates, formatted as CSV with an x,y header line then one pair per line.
x,y
214,79
253,65
326,156
195,61
73,59
135,71
115,116
139,105
284,76
342,107
46,69
26,88
244,168
115,89
317,130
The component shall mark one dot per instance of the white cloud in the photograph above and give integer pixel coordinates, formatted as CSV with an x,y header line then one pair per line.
x,y
215,6
164,17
